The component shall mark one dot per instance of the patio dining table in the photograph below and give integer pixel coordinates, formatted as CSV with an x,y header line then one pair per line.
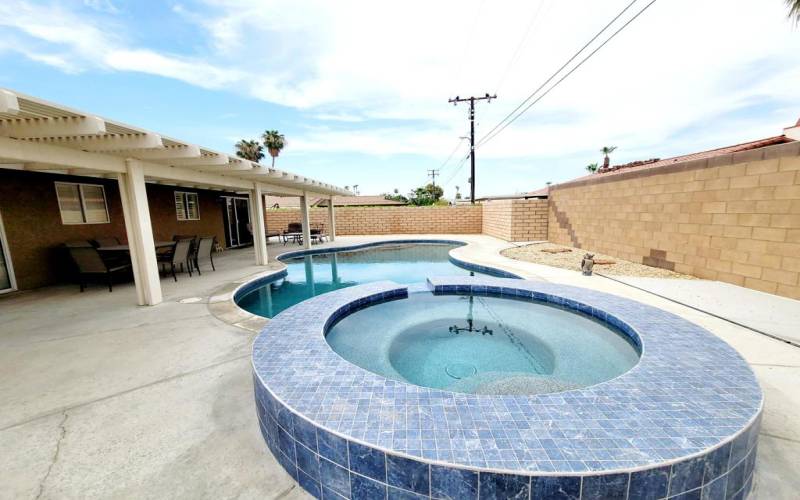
x,y
126,248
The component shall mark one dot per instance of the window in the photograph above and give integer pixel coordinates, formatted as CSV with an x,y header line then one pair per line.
x,y
186,206
82,203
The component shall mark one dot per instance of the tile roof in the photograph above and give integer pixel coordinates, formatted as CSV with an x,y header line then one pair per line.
x,y
711,153
338,201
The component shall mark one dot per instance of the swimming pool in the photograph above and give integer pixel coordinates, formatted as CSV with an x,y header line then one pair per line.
x,y
313,274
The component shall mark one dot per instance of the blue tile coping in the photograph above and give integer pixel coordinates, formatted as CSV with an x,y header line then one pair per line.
x,y
682,423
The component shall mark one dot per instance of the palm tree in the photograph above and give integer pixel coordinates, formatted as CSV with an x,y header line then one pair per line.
x,y
458,192
249,150
592,168
607,150
274,142
794,10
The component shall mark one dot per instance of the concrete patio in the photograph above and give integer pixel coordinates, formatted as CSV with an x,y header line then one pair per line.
x,y
102,398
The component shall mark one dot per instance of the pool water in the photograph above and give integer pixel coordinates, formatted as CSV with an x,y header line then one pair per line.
x,y
482,344
313,275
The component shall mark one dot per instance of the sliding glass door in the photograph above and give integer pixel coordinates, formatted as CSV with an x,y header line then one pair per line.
x,y
236,215
6,273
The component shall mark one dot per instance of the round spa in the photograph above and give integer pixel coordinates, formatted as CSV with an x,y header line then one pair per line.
x,y
480,387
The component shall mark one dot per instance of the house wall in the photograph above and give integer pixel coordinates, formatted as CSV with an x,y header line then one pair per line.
x,y
462,219
734,218
516,220
35,232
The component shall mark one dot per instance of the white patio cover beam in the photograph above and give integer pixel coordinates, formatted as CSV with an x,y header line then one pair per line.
x,y
217,159
37,128
259,226
304,219
9,104
106,143
331,220
167,152
133,193
35,152
84,143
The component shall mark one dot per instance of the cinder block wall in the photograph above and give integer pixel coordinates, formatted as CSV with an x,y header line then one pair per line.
x,y
734,218
516,220
462,219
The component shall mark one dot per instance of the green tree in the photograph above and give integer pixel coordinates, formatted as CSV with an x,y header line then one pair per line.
x,y
274,142
426,195
396,196
458,192
607,150
794,10
249,150
592,167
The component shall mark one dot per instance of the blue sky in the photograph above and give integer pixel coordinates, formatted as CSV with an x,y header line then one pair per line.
x,y
360,89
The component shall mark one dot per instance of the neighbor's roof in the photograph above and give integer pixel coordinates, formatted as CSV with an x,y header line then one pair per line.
x,y
655,163
359,201
60,135
539,193
338,201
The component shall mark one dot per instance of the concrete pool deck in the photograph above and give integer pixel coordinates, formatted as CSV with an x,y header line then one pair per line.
x,y
102,398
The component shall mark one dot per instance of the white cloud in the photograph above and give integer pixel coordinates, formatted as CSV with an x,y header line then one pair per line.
x,y
348,63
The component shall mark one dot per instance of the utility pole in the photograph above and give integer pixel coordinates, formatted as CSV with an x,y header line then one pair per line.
x,y
432,174
471,100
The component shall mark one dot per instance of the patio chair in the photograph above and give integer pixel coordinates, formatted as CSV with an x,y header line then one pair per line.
x,y
205,250
176,257
292,230
89,263
107,242
78,244
317,233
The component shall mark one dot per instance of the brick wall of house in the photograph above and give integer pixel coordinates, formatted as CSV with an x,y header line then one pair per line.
x,y
462,219
734,218
32,222
516,220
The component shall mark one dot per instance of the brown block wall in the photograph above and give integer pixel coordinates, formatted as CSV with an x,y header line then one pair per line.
x,y
516,220
734,218
34,230
463,219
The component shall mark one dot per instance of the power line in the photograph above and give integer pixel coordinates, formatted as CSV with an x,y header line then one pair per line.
x,y
470,38
452,153
516,54
487,139
456,171
500,124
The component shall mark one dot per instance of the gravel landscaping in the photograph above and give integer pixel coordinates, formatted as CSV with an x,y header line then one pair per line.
x,y
554,255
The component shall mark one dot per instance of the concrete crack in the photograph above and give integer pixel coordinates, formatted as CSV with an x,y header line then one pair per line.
x,y
63,432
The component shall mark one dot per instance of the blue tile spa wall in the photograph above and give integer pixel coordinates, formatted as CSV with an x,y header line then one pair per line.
x,y
332,467
681,424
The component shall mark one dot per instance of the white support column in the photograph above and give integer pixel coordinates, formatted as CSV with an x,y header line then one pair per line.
x,y
331,220
140,234
304,220
257,223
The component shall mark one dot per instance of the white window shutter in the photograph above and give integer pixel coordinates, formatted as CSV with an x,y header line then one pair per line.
x,y
180,207
69,203
94,204
192,210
